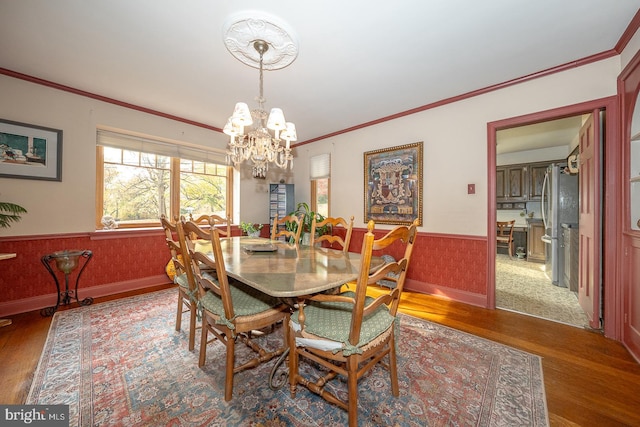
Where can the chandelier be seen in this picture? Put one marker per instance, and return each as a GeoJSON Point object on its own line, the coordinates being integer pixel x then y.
{"type": "Point", "coordinates": [255, 136]}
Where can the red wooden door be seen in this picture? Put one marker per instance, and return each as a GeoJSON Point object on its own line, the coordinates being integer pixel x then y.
{"type": "Point", "coordinates": [589, 277]}
{"type": "Point", "coordinates": [628, 88]}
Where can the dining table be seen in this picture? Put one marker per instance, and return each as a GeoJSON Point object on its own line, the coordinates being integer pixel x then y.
{"type": "Point", "coordinates": [287, 271]}
{"type": "Point", "coordinates": [284, 270]}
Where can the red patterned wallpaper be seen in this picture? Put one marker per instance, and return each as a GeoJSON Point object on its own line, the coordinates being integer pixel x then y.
{"type": "Point", "coordinates": [450, 261]}
{"type": "Point", "coordinates": [115, 259]}
{"type": "Point", "coordinates": [454, 263]}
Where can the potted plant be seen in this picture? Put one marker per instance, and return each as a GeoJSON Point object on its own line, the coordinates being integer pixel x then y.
{"type": "Point", "coordinates": [10, 212]}
{"type": "Point", "coordinates": [303, 208]}
{"type": "Point", "coordinates": [250, 229]}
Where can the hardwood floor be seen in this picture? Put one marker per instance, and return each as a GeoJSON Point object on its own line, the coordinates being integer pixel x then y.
{"type": "Point", "coordinates": [589, 380]}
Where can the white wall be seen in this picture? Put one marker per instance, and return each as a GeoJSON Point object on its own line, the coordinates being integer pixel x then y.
{"type": "Point", "coordinates": [69, 206]}
{"type": "Point", "coordinates": [455, 147]}
{"type": "Point", "coordinates": [454, 136]}
{"type": "Point", "coordinates": [630, 50]}
{"type": "Point", "coordinates": [532, 156]}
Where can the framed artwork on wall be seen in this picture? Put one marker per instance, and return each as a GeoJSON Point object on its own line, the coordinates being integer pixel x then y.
{"type": "Point", "coordinates": [393, 184]}
{"type": "Point", "coordinates": [30, 151]}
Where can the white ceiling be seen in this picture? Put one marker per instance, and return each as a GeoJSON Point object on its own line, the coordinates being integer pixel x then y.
{"type": "Point", "coordinates": [357, 62]}
{"type": "Point", "coordinates": [551, 133]}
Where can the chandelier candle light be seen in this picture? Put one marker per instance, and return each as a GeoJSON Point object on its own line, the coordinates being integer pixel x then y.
{"type": "Point", "coordinates": [258, 145]}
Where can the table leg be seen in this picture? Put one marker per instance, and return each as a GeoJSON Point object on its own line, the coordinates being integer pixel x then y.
{"type": "Point", "coordinates": [48, 311]}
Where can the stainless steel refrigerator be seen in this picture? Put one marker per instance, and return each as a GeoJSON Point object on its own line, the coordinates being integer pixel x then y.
{"type": "Point", "coordinates": [560, 205]}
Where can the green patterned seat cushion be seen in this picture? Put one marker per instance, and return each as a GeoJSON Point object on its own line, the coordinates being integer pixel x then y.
{"type": "Point", "coordinates": [332, 320]}
{"type": "Point", "coordinates": [181, 280]}
{"type": "Point", "coordinates": [246, 300]}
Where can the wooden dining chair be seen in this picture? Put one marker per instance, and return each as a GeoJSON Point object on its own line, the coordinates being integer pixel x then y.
{"type": "Point", "coordinates": [282, 228]}
{"type": "Point", "coordinates": [339, 232]}
{"type": "Point", "coordinates": [349, 333]}
{"type": "Point", "coordinates": [230, 311]}
{"type": "Point", "coordinates": [224, 224]}
{"type": "Point", "coordinates": [505, 235]}
{"type": "Point", "coordinates": [187, 295]}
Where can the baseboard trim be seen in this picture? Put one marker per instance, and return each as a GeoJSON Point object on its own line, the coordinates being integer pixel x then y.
{"type": "Point", "coordinates": [478, 300]}
{"type": "Point", "coordinates": [41, 301]}
{"type": "Point", "coordinates": [36, 303]}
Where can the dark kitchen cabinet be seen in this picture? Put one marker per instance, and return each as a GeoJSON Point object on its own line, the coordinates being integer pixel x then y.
{"type": "Point", "coordinates": [536, 179]}
{"type": "Point", "coordinates": [511, 183]}
{"type": "Point", "coordinates": [501, 184]}
{"type": "Point", "coordinates": [535, 246]}
{"type": "Point", "coordinates": [520, 183]}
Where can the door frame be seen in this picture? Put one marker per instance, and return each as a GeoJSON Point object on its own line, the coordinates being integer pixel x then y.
{"type": "Point", "coordinates": [610, 212]}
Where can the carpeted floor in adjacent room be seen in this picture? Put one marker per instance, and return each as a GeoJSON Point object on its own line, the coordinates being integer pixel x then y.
{"type": "Point", "coordinates": [523, 287]}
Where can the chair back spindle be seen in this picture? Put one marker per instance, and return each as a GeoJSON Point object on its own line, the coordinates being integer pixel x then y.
{"type": "Point", "coordinates": [281, 228]}
{"type": "Point", "coordinates": [334, 223]}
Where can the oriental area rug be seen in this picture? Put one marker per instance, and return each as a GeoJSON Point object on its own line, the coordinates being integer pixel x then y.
{"type": "Point", "coordinates": [121, 363]}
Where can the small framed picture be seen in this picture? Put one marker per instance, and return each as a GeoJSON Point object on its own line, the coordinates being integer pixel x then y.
{"type": "Point", "coordinates": [30, 151]}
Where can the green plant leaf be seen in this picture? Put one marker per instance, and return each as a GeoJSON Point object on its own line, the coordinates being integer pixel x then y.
{"type": "Point", "coordinates": [9, 213]}
{"type": "Point", "coordinates": [302, 208]}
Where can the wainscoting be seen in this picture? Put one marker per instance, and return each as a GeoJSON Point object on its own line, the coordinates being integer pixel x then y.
{"type": "Point", "coordinates": [453, 266]}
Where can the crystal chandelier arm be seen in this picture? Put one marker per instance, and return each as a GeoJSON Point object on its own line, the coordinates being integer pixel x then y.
{"type": "Point", "coordinates": [289, 134]}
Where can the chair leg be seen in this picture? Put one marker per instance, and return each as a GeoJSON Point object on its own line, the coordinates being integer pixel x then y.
{"type": "Point", "coordinates": [393, 369]}
{"type": "Point", "coordinates": [510, 249]}
{"type": "Point", "coordinates": [352, 385]}
{"type": "Point", "coordinates": [203, 342]}
{"type": "Point", "coordinates": [293, 362]}
{"type": "Point", "coordinates": [228, 381]}
{"type": "Point", "coordinates": [179, 313]}
{"type": "Point", "coordinates": [192, 325]}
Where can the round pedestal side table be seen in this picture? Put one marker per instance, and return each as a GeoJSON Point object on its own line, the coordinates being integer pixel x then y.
{"type": "Point", "coordinates": [66, 261]}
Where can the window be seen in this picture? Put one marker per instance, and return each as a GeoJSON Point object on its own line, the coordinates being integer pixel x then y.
{"type": "Point", "coordinates": [320, 172]}
{"type": "Point", "coordinates": [320, 196]}
{"type": "Point", "coordinates": [139, 180]}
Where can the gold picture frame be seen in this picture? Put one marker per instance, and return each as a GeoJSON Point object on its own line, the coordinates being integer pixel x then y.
{"type": "Point", "coordinates": [393, 184]}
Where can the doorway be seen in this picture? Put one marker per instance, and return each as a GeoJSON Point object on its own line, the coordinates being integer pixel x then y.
{"type": "Point", "coordinates": [526, 283]}
{"type": "Point", "coordinates": [604, 226]}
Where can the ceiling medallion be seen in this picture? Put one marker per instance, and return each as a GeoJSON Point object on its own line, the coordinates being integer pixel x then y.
{"type": "Point", "coordinates": [255, 137]}
{"type": "Point", "coordinates": [243, 29]}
